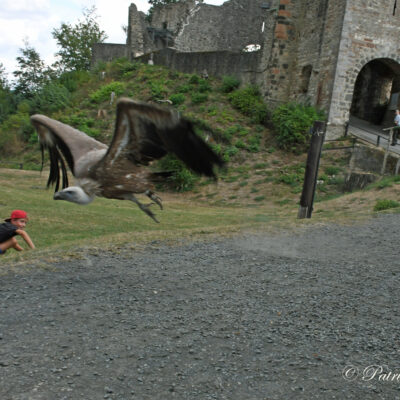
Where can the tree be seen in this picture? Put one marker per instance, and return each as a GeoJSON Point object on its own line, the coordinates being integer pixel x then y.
{"type": "Point", "coordinates": [157, 3]}
{"type": "Point", "coordinates": [3, 77]}
{"type": "Point", "coordinates": [32, 73]}
{"type": "Point", "coordinates": [76, 42]}
{"type": "Point", "coordinates": [7, 98]}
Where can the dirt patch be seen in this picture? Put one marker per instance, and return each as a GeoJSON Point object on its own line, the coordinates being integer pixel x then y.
{"type": "Point", "coordinates": [248, 317]}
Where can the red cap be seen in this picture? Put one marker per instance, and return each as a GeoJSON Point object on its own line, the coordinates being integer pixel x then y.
{"type": "Point", "coordinates": [16, 214]}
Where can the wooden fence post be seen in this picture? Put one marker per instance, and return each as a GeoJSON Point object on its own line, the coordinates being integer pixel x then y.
{"type": "Point", "coordinates": [385, 157]}
{"type": "Point", "coordinates": [311, 173]}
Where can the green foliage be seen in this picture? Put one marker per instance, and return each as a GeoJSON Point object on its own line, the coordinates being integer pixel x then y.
{"type": "Point", "coordinates": [292, 123]}
{"type": "Point", "coordinates": [249, 101]}
{"type": "Point", "coordinates": [158, 90]}
{"type": "Point", "coordinates": [7, 103]}
{"type": "Point", "coordinates": [81, 122]}
{"type": "Point", "coordinates": [16, 128]}
{"type": "Point", "coordinates": [194, 79]}
{"type": "Point", "coordinates": [123, 67]}
{"type": "Point", "coordinates": [198, 98]}
{"type": "Point", "coordinates": [177, 99]}
{"type": "Point", "coordinates": [184, 88]}
{"type": "Point", "coordinates": [229, 84]}
{"type": "Point", "coordinates": [385, 204]}
{"type": "Point", "coordinates": [31, 74]}
{"type": "Point", "coordinates": [76, 42]}
{"type": "Point", "coordinates": [74, 79]}
{"type": "Point", "coordinates": [157, 3]}
{"type": "Point", "coordinates": [230, 152]}
{"type": "Point", "coordinates": [104, 92]}
{"type": "Point", "coordinates": [240, 144]}
{"type": "Point", "coordinates": [204, 86]}
{"type": "Point", "coordinates": [332, 170]}
{"type": "Point", "coordinates": [51, 97]}
{"type": "Point", "coordinates": [181, 178]}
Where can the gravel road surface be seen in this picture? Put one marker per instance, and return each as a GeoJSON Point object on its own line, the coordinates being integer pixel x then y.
{"type": "Point", "coordinates": [307, 315]}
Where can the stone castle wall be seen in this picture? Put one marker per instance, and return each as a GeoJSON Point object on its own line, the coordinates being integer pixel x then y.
{"type": "Point", "coordinates": [370, 31]}
{"type": "Point", "coordinates": [310, 50]}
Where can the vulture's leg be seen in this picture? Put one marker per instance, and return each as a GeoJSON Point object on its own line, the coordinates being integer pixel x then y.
{"type": "Point", "coordinates": [152, 196]}
{"type": "Point", "coordinates": [144, 207]}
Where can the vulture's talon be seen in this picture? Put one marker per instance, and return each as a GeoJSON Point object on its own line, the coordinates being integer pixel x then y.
{"type": "Point", "coordinates": [156, 199]}
{"type": "Point", "coordinates": [146, 208]}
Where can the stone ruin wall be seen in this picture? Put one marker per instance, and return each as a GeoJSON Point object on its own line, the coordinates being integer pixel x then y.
{"type": "Point", "coordinates": [311, 50]}
{"type": "Point", "coordinates": [306, 43]}
{"type": "Point", "coordinates": [360, 44]}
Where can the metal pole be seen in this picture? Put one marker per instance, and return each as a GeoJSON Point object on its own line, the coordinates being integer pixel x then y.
{"type": "Point", "coordinates": [311, 173]}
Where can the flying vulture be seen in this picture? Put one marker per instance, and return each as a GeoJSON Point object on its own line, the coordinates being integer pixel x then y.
{"type": "Point", "coordinates": [143, 133]}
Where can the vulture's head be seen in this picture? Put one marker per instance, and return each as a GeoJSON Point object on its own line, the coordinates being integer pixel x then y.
{"type": "Point", "coordinates": [74, 194]}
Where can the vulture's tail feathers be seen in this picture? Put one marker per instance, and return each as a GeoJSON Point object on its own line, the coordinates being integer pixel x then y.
{"type": "Point", "coordinates": [57, 162]}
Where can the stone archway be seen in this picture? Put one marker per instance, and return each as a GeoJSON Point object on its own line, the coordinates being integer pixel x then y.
{"type": "Point", "coordinates": [375, 85]}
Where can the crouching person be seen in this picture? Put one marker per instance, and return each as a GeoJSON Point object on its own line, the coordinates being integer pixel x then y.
{"type": "Point", "coordinates": [12, 227]}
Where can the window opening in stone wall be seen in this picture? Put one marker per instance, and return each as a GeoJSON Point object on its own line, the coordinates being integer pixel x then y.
{"type": "Point", "coordinates": [394, 7]}
{"type": "Point", "coordinates": [305, 78]}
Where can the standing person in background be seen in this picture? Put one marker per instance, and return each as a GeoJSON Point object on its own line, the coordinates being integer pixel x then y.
{"type": "Point", "coordinates": [396, 130]}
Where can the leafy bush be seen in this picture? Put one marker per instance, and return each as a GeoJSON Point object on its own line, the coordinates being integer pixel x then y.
{"type": "Point", "coordinates": [385, 204]}
{"type": "Point", "coordinates": [229, 84]}
{"type": "Point", "coordinates": [230, 152]}
{"type": "Point", "coordinates": [82, 122]}
{"type": "Point", "coordinates": [181, 178]}
{"type": "Point", "coordinates": [249, 101]}
{"type": "Point", "coordinates": [184, 88]}
{"type": "Point", "coordinates": [198, 98]}
{"type": "Point", "coordinates": [158, 90]}
{"type": "Point", "coordinates": [73, 79]}
{"type": "Point", "coordinates": [16, 129]}
{"type": "Point", "coordinates": [204, 86]}
{"type": "Point", "coordinates": [104, 92]}
{"type": "Point", "coordinates": [194, 79]}
{"type": "Point", "coordinates": [240, 144]}
{"type": "Point", "coordinates": [332, 170]}
{"type": "Point", "coordinates": [177, 99]}
{"type": "Point", "coordinates": [50, 98]}
{"type": "Point", "coordinates": [292, 123]}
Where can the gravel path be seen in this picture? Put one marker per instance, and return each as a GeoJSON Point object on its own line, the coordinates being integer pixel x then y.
{"type": "Point", "coordinates": [307, 315]}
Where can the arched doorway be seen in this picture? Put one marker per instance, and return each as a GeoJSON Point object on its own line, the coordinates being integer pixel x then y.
{"type": "Point", "coordinates": [375, 92]}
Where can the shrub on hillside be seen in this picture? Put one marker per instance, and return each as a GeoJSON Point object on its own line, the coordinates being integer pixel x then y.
{"type": "Point", "coordinates": [177, 99]}
{"type": "Point", "coordinates": [198, 98]}
{"type": "Point", "coordinates": [385, 204]}
{"type": "Point", "coordinates": [104, 92]}
{"type": "Point", "coordinates": [292, 123]}
{"type": "Point", "coordinates": [181, 178]}
{"type": "Point", "coordinates": [74, 79]}
{"type": "Point", "coordinates": [249, 101]}
{"type": "Point", "coordinates": [229, 84]}
{"type": "Point", "coordinates": [50, 98]}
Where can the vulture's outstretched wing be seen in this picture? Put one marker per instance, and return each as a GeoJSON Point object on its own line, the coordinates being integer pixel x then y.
{"type": "Point", "coordinates": [146, 132]}
{"type": "Point", "coordinates": [60, 138]}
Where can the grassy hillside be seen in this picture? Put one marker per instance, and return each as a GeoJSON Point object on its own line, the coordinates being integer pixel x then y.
{"type": "Point", "coordinates": [235, 125]}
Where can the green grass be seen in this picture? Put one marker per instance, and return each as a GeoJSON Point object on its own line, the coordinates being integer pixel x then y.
{"type": "Point", "coordinates": [385, 204]}
{"type": "Point", "coordinates": [59, 225]}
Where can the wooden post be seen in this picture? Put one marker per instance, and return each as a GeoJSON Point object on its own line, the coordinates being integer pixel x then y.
{"type": "Point", "coordinates": [387, 151]}
{"type": "Point", "coordinates": [311, 174]}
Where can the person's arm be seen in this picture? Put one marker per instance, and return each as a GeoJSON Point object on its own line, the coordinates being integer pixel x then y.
{"type": "Point", "coordinates": [26, 237]}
